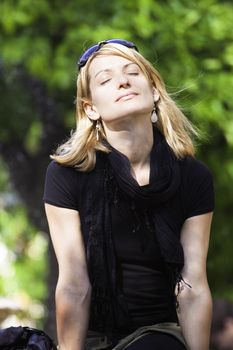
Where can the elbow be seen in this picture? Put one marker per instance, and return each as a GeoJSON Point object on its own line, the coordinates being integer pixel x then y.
{"type": "Point", "coordinates": [195, 292]}
{"type": "Point", "coordinates": [72, 309]}
{"type": "Point", "coordinates": [70, 297]}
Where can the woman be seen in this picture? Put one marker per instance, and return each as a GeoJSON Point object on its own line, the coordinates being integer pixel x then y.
{"type": "Point", "coordinates": [129, 212]}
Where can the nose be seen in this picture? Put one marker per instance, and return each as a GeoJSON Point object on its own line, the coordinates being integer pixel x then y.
{"type": "Point", "coordinates": [123, 80]}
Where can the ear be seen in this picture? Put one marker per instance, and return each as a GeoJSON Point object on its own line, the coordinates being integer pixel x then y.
{"type": "Point", "coordinates": [91, 110]}
{"type": "Point", "coordinates": [156, 95]}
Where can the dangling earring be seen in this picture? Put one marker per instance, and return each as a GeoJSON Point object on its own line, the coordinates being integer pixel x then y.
{"type": "Point", "coordinates": [154, 116]}
{"type": "Point", "coordinates": [97, 127]}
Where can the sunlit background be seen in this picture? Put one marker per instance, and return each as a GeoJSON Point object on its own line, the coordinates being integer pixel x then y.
{"type": "Point", "coordinates": [189, 42]}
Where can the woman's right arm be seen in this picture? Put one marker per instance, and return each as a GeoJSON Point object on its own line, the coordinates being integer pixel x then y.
{"type": "Point", "coordinates": [73, 291]}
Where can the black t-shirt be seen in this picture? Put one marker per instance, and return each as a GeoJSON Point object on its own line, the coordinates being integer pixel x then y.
{"type": "Point", "coordinates": [195, 195]}
{"type": "Point", "coordinates": [141, 269]}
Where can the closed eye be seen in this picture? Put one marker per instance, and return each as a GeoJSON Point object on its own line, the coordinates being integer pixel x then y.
{"type": "Point", "coordinates": [105, 81]}
{"type": "Point", "coordinates": [133, 73]}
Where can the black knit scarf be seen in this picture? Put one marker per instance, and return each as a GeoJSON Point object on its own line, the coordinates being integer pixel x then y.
{"type": "Point", "coordinates": [164, 182]}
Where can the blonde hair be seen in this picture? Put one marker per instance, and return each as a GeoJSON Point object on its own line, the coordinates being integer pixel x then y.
{"type": "Point", "coordinates": [80, 149]}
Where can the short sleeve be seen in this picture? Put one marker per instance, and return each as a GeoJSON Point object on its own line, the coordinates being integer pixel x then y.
{"type": "Point", "coordinates": [199, 189]}
{"type": "Point", "coordinates": [61, 186]}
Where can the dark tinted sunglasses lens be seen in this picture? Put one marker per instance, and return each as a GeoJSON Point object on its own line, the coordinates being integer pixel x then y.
{"type": "Point", "coordinates": [126, 43]}
{"type": "Point", "coordinates": [83, 59]}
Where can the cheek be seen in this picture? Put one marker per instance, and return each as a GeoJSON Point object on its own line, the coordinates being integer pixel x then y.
{"type": "Point", "coordinates": [148, 96]}
{"type": "Point", "coordinates": [100, 99]}
{"type": "Point", "coordinates": [146, 88]}
{"type": "Point", "coordinates": [96, 89]}
{"type": "Point", "coordinates": [102, 96]}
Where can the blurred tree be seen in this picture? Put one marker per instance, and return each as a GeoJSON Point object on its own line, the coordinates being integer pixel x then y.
{"type": "Point", "coordinates": [25, 147]}
{"type": "Point", "coordinates": [190, 44]}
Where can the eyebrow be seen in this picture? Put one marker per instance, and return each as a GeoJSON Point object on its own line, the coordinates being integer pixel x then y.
{"type": "Point", "coordinates": [109, 70]}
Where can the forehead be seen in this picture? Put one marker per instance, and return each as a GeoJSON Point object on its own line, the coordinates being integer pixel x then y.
{"type": "Point", "coordinates": [109, 62]}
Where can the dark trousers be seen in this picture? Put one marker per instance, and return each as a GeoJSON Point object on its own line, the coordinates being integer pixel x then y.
{"type": "Point", "coordinates": [156, 341]}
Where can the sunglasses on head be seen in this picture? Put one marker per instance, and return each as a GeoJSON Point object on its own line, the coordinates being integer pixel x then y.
{"type": "Point", "coordinates": [87, 54]}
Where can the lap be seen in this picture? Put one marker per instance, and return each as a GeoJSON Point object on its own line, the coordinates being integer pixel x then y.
{"type": "Point", "coordinates": [156, 341]}
{"type": "Point", "coordinates": [163, 336]}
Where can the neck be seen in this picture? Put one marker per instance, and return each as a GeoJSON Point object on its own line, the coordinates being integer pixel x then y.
{"type": "Point", "coordinates": [134, 140]}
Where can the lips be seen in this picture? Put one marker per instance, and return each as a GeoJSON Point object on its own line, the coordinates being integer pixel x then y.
{"type": "Point", "coordinates": [126, 96]}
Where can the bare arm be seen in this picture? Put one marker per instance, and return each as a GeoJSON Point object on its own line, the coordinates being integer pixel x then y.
{"type": "Point", "coordinates": [73, 289]}
{"type": "Point", "coordinates": [195, 304]}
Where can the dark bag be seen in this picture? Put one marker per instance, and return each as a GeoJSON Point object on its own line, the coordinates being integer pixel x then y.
{"type": "Point", "coordinates": [25, 338]}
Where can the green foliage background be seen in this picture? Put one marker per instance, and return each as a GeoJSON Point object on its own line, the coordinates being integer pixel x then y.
{"type": "Point", "coordinates": [190, 43]}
